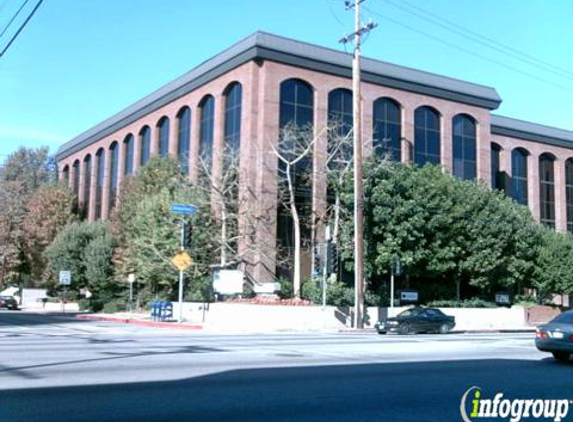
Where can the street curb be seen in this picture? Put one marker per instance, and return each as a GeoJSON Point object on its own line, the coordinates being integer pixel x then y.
{"type": "Point", "coordinates": [473, 331]}
{"type": "Point", "coordinates": [156, 324]}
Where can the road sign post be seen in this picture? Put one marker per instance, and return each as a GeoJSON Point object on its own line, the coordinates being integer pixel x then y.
{"type": "Point", "coordinates": [182, 260]}
{"type": "Point", "coordinates": [65, 280]}
{"type": "Point", "coordinates": [131, 279]}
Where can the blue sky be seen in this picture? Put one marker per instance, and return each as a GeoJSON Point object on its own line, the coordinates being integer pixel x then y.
{"type": "Point", "coordinates": [80, 61]}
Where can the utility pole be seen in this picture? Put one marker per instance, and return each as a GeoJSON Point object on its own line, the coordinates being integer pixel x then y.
{"type": "Point", "coordinates": [357, 154]}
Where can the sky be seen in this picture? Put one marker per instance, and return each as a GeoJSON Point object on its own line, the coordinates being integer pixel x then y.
{"type": "Point", "coordinates": [77, 62]}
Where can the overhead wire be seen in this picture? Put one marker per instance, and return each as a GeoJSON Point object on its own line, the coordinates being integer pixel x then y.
{"type": "Point", "coordinates": [480, 38]}
{"type": "Point", "coordinates": [21, 28]}
{"type": "Point", "coordinates": [467, 51]}
{"type": "Point", "coordinates": [13, 18]}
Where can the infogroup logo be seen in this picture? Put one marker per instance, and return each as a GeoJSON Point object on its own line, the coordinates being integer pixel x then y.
{"type": "Point", "coordinates": [474, 406]}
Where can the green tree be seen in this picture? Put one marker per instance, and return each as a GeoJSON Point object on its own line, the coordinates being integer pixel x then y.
{"type": "Point", "coordinates": [85, 249]}
{"type": "Point", "coordinates": [32, 167]}
{"type": "Point", "coordinates": [148, 232]}
{"type": "Point", "coordinates": [553, 263]}
{"type": "Point", "coordinates": [444, 230]}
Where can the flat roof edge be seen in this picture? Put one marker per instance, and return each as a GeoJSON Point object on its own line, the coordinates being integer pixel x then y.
{"type": "Point", "coordinates": [275, 48]}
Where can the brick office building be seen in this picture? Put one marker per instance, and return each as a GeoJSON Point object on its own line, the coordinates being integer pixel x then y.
{"type": "Point", "coordinates": [243, 96]}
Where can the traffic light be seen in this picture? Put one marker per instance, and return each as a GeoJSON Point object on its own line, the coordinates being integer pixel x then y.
{"type": "Point", "coordinates": [317, 261]}
{"type": "Point", "coordinates": [187, 234]}
{"type": "Point", "coordinates": [331, 258]}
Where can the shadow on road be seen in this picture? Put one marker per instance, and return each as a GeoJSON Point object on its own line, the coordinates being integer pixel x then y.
{"type": "Point", "coordinates": [417, 391]}
{"type": "Point", "coordinates": [30, 319]}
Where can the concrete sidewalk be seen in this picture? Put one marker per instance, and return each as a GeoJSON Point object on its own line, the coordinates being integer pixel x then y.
{"type": "Point", "coordinates": [143, 319]}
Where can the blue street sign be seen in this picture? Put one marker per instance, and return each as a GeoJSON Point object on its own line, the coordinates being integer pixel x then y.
{"type": "Point", "coordinates": [187, 209]}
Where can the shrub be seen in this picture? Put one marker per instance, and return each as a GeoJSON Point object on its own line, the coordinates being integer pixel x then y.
{"type": "Point", "coordinates": [113, 306]}
{"type": "Point", "coordinates": [286, 291]}
{"type": "Point", "coordinates": [467, 303]}
{"type": "Point", "coordinates": [525, 300]}
{"type": "Point", "coordinates": [337, 293]}
{"type": "Point", "coordinates": [199, 290]}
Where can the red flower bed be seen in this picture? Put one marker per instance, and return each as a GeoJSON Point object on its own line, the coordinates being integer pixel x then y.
{"type": "Point", "coordinates": [273, 301]}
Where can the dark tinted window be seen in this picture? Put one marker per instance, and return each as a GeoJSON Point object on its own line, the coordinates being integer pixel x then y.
{"type": "Point", "coordinates": [495, 168]}
{"type": "Point", "coordinates": [76, 177]}
{"type": "Point", "coordinates": [129, 146]}
{"type": "Point", "coordinates": [100, 173]}
{"type": "Point", "coordinates": [519, 175]}
{"type": "Point", "coordinates": [426, 136]}
{"type": "Point", "coordinates": [296, 111]}
{"type": "Point", "coordinates": [569, 193]}
{"type": "Point", "coordinates": [547, 190]}
{"type": "Point", "coordinates": [387, 128]}
{"type": "Point", "coordinates": [163, 127]}
{"type": "Point", "coordinates": [411, 312]}
{"type": "Point", "coordinates": [66, 174]}
{"type": "Point", "coordinates": [184, 139]}
{"type": "Point", "coordinates": [87, 183]}
{"type": "Point", "coordinates": [233, 98]}
{"type": "Point", "coordinates": [145, 135]}
{"type": "Point", "coordinates": [207, 120]}
{"type": "Point", "coordinates": [114, 170]}
{"type": "Point", "coordinates": [464, 147]}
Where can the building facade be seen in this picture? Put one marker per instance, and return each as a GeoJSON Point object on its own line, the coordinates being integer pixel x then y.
{"type": "Point", "coordinates": [241, 98]}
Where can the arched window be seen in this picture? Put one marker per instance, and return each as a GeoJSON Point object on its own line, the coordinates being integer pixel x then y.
{"type": "Point", "coordinates": [387, 128]}
{"type": "Point", "coordinates": [569, 193]}
{"type": "Point", "coordinates": [296, 111]}
{"type": "Point", "coordinates": [519, 175]}
{"type": "Point", "coordinates": [464, 147]}
{"type": "Point", "coordinates": [129, 146]}
{"type": "Point", "coordinates": [340, 120]}
{"type": "Point", "coordinates": [87, 184]}
{"type": "Point", "coordinates": [100, 174]}
{"type": "Point", "coordinates": [76, 177]}
{"type": "Point", "coordinates": [145, 137]}
{"type": "Point", "coordinates": [114, 170]}
{"type": "Point", "coordinates": [296, 103]}
{"type": "Point", "coordinates": [426, 136]}
{"type": "Point", "coordinates": [496, 177]}
{"type": "Point", "coordinates": [163, 136]}
{"type": "Point", "coordinates": [66, 175]}
{"type": "Point", "coordinates": [233, 97]}
{"type": "Point", "coordinates": [207, 122]}
{"type": "Point", "coordinates": [340, 111]}
{"type": "Point", "coordinates": [547, 189]}
{"type": "Point", "coordinates": [184, 139]}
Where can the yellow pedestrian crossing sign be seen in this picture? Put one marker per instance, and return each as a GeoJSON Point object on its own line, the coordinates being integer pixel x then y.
{"type": "Point", "coordinates": [182, 261]}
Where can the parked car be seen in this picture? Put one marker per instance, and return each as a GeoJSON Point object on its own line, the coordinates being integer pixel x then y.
{"type": "Point", "coordinates": [8, 302]}
{"type": "Point", "coordinates": [417, 320]}
{"type": "Point", "coordinates": [556, 336]}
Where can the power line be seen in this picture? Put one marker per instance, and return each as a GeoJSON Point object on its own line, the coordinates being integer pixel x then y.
{"type": "Point", "coordinates": [483, 40]}
{"type": "Point", "coordinates": [21, 28]}
{"type": "Point", "coordinates": [457, 47]}
{"type": "Point", "coordinates": [13, 17]}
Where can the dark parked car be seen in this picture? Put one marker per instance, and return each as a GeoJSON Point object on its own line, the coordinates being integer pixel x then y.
{"type": "Point", "coordinates": [556, 336]}
{"type": "Point", "coordinates": [417, 320]}
{"type": "Point", "coordinates": [8, 302]}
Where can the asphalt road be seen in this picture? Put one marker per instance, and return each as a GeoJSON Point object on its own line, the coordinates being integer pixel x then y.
{"type": "Point", "coordinates": [62, 369]}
